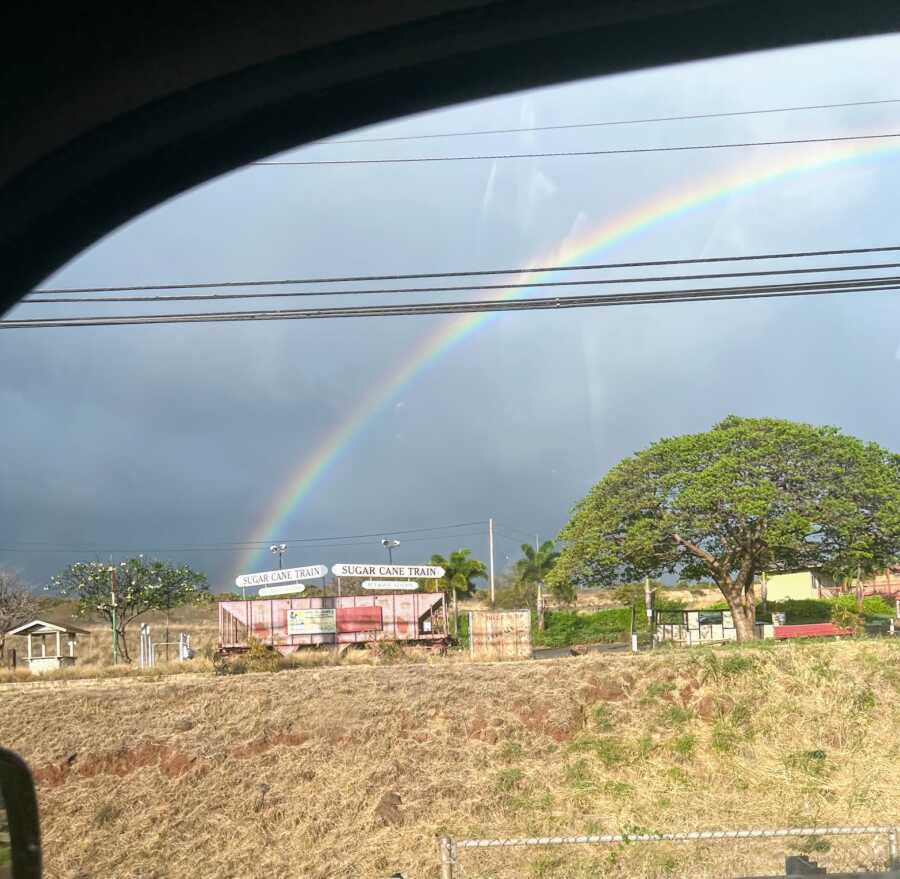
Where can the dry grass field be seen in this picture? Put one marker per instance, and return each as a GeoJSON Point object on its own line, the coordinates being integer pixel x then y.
{"type": "Point", "coordinates": [356, 771]}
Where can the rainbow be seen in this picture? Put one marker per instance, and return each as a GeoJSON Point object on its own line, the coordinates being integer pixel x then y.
{"type": "Point", "coordinates": [314, 467]}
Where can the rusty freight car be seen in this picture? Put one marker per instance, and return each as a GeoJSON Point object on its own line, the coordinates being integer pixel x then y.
{"type": "Point", "coordinates": [289, 624]}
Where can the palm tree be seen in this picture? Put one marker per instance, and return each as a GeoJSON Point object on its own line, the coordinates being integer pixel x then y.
{"type": "Point", "coordinates": [534, 566]}
{"type": "Point", "coordinates": [537, 563]}
{"type": "Point", "coordinates": [460, 571]}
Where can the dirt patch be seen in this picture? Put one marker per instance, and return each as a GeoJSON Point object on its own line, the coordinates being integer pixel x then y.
{"type": "Point", "coordinates": [171, 763]}
{"type": "Point", "coordinates": [387, 811]}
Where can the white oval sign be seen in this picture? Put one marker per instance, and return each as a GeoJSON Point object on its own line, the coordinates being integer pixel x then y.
{"type": "Point", "coordinates": [288, 589]}
{"type": "Point", "coordinates": [420, 572]}
{"type": "Point", "coordinates": [273, 578]}
{"type": "Point", "coordinates": [390, 584]}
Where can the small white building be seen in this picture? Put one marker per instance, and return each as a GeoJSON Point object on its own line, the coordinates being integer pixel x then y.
{"type": "Point", "coordinates": [38, 658]}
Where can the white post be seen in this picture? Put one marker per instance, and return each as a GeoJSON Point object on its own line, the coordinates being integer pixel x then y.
{"type": "Point", "coordinates": [58, 648]}
{"type": "Point", "coordinates": [29, 646]}
{"type": "Point", "coordinates": [72, 647]}
{"type": "Point", "coordinates": [648, 600]}
{"type": "Point", "coordinates": [446, 859]}
{"type": "Point", "coordinates": [491, 547]}
{"type": "Point", "coordinates": [43, 646]}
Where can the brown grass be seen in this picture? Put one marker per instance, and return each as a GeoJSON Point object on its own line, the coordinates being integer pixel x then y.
{"type": "Point", "coordinates": [355, 771]}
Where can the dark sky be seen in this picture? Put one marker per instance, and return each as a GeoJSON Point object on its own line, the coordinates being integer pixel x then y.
{"type": "Point", "coordinates": [161, 437]}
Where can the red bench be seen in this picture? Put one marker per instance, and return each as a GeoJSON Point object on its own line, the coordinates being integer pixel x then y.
{"type": "Point", "coordinates": [811, 630]}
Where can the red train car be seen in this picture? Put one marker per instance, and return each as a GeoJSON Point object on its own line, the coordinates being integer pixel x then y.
{"type": "Point", "coordinates": [287, 624]}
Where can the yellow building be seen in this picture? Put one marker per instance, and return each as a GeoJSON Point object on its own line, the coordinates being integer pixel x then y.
{"type": "Point", "coordinates": [798, 584]}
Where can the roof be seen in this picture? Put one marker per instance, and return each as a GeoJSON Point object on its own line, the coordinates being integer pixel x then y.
{"type": "Point", "coordinates": [42, 627]}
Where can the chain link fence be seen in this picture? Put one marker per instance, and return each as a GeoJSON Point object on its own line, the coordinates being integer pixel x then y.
{"type": "Point", "coordinates": [879, 853]}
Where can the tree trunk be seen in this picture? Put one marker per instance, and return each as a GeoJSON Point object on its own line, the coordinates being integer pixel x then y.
{"type": "Point", "coordinates": [122, 644]}
{"type": "Point", "coordinates": [743, 610]}
{"type": "Point", "coordinates": [744, 619]}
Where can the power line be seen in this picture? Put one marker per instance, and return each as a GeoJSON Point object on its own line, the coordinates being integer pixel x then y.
{"type": "Point", "coordinates": [249, 544]}
{"type": "Point", "coordinates": [581, 153]}
{"type": "Point", "coordinates": [846, 251]}
{"type": "Point", "coordinates": [472, 287]}
{"type": "Point", "coordinates": [528, 534]}
{"type": "Point", "coordinates": [472, 306]}
{"type": "Point", "coordinates": [607, 123]}
{"type": "Point", "coordinates": [516, 540]}
{"type": "Point", "coordinates": [197, 549]}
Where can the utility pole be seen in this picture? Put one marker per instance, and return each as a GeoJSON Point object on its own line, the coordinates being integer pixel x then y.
{"type": "Point", "coordinates": [491, 548]}
{"type": "Point", "coordinates": [168, 610]}
{"type": "Point", "coordinates": [540, 588]}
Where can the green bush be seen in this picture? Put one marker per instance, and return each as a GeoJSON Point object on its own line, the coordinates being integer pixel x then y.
{"type": "Point", "coordinates": [514, 596]}
{"type": "Point", "coordinates": [800, 611]}
{"type": "Point", "coordinates": [632, 594]}
{"type": "Point", "coordinates": [564, 628]}
{"type": "Point", "coordinates": [462, 634]}
{"type": "Point", "coordinates": [845, 613]}
{"type": "Point", "coordinates": [876, 606]}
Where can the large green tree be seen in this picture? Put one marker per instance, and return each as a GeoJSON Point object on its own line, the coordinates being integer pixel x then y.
{"type": "Point", "coordinates": [750, 495]}
{"type": "Point", "coordinates": [139, 585]}
{"type": "Point", "coordinates": [460, 571]}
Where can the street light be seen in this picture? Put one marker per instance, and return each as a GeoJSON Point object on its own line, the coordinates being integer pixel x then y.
{"type": "Point", "coordinates": [390, 546]}
{"type": "Point", "coordinates": [278, 549]}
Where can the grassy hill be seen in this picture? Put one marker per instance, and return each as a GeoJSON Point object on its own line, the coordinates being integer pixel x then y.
{"type": "Point", "coordinates": [355, 771]}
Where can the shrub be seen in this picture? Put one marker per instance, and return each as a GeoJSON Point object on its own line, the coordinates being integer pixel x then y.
{"type": "Point", "coordinates": [845, 615]}
{"type": "Point", "coordinates": [632, 594]}
{"type": "Point", "coordinates": [514, 595]}
{"type": "Point", "coordinates": [563, 628]}
{"type": "Point", "coordinates": [259, 657]}
{"type": "Point", "coordinates": [876, 606]}
{"type": "Point", "coordinates": [799, 611]}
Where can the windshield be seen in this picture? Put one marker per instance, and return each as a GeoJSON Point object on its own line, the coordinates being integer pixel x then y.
{"type": "Point", "coordinates": [521, 470]}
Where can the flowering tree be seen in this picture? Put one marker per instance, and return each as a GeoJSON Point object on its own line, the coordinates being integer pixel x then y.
{"type": "Point", "coordinates": [121, 593]}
